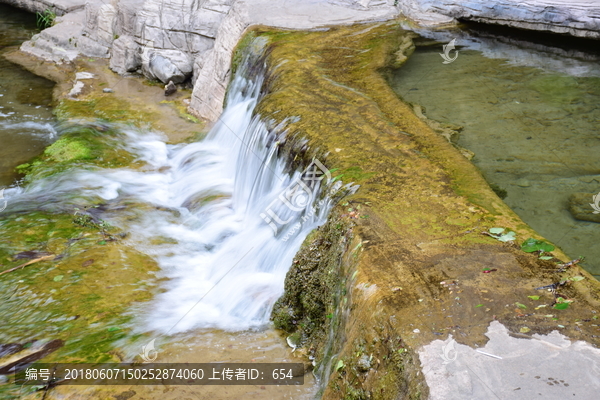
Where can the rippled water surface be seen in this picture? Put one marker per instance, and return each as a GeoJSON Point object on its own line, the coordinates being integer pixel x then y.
{"type": "Point", "coordinates": [25, 113]}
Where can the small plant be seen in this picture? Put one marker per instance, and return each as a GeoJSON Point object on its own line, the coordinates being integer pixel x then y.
{"type": "Point", "coordinates": [45, 19]}
{"type": "Point", "coordinates": [531, 245]}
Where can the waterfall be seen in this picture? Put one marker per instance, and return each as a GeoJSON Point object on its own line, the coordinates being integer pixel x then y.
{"type": "Point", "coordinates": [223, 217]}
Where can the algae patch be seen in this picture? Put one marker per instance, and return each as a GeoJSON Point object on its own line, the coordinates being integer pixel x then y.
{"type": "Point", "coordinates": [80, 146]}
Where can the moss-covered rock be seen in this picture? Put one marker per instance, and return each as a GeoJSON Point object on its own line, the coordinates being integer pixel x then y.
{"type": "Point", "coordinates": [423, 218]}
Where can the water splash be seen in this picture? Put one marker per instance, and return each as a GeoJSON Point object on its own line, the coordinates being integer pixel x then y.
{"type": "Point", "coordinates": [196, 208]}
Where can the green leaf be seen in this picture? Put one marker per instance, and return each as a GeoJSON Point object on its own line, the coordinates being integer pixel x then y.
{"type": "Point", "coordinates": [561, 306]}
{"type": "Point", "coordinates": [531, 245]}
{"type": "Point", "coordinates": [479, 305]}
{"type": "Point", "coordinates": [534, 297]}
{"type": "Point", "coordinates": [329, 316]}
{"type": "Point", "coordinates": [114, 328]}
{"type": "Point", "coordinates": [496, 231]}
{"type": "Point", "coordinates": [524, 329]}
{"type": "Point", "coordinates": [523, 306]}
{"type": "Point", "coordinates": [102, 242]}
{"type": "Point", "coordinates": [576, 278]}
{"type": "Point", "coordinates": [340, 365]}
{"type": "Point", "coordinates": [508, 237]}
{"type": "Point", "coordinates": [58, 278]}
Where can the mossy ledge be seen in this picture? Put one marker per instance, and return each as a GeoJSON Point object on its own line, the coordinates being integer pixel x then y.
{"type": "Point", "coordinates": [364, 293]}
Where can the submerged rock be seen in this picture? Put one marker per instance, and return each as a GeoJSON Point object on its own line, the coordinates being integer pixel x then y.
{"type": "Point", "coordinates": [580, 206]}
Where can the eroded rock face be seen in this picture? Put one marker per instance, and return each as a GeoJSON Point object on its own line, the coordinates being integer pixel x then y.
{"type": "Point", "coordinates": [576, 17]}
{"type": "Point", "coordinates": [206, 31]}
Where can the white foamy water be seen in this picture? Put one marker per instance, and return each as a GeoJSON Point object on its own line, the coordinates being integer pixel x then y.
{"type": "Point", "coordinates": [202, 211]}
{"type": "Point", "coordinates": [44, 130]}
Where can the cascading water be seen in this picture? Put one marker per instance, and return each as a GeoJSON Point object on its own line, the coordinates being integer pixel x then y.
{"type": "Point", "coordinates": [222, 216]}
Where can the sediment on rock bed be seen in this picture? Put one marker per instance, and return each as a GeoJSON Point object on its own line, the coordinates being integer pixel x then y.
{"type": "Point", "coordinates": [420, 218]}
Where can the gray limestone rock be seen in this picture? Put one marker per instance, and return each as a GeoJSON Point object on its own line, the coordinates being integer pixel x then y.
{"type": "Point", "coordinates": [167, 65]}
{"type": "Point", "coordinates": [60, 7]}
{"type": "Point", "coordinates": [575, 17]}
{"type": "Point", "coordinates": [125, 55]}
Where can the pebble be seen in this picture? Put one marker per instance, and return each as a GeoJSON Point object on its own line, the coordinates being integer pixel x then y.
{"type": "Point", "coordinates": [84, 75]}
{"type": "Point", "coordinates": [364, 363]}
{"type": "Point", "coordinates": [107, 90]}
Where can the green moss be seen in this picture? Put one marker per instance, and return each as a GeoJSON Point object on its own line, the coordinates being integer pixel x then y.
{"type": "Point", "coordinates": [181, 110]}
{"type": "Point", "coordinates": [68, 150]}
{"type": "Point", "coordinates": [96, 284]}
{"type": "Point", "coordinates": [502, 193]}
{"type": "Point", "coordinates": [238, 53]}
{"type": "Point", "coordinates": [313, 284]}
{"type": "Point", "coordinates": [105, 107]}
{"type": "Point", "coordinates": [80, 147]}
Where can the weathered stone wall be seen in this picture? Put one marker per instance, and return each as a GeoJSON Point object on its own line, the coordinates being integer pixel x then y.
{"type": "Point", "coordinates": [575, 17]}
{"type": "Point", "coordinates": [59, 7]}
{"type": "Point", "coordinates": [178, 39]}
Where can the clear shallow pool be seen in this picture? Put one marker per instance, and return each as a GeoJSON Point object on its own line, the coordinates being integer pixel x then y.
{"type": "Point", "coordinates": [530, 114]}
{"type": "Point", "coordinates": [26, 123]}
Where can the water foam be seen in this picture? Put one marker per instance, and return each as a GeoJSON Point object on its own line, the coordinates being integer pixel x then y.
{"type": "Point", "coordinates": [199, 210]}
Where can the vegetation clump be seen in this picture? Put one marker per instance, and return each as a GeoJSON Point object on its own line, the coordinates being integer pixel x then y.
{"type": "Point", "coordinates": [45, 19]}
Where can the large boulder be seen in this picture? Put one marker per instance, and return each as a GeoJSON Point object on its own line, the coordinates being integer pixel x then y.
{"type": "Point", "coordinates": [167, 65]}
{"type": "Point", "coordinates": [125, 55]}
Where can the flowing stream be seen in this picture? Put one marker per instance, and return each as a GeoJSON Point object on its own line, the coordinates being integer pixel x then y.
{"type": "Point", "coordinates": [201, 210]}
{"type": "Point", "coordinates": [26, 123]}
{"type": "Point", "coordinates": [223, 217]}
